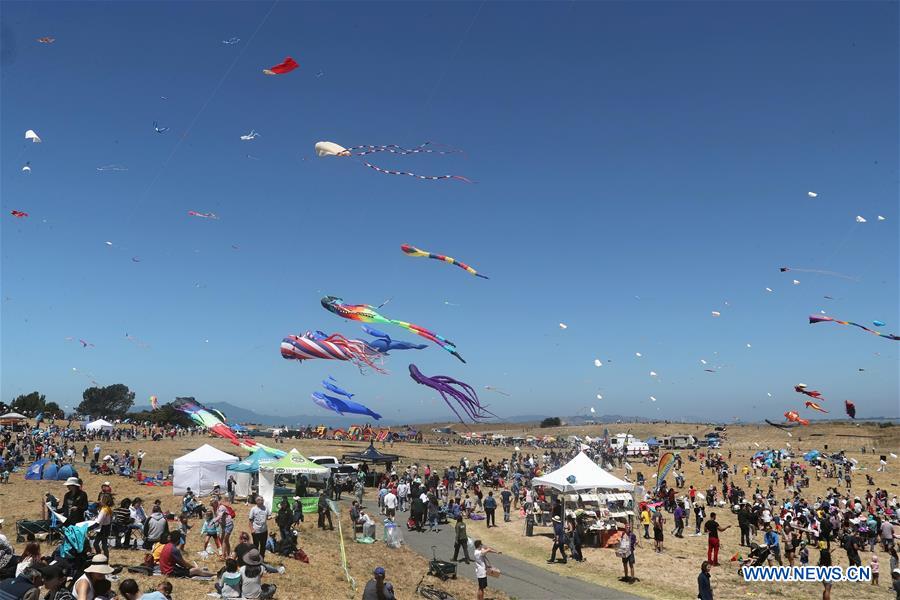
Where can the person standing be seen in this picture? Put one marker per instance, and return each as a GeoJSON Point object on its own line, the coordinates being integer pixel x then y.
{"type": "Point", "coordinates": [224, 519]}
{"type": "Point", "coordinates": [490, 509]}
{"type": "Point", "coordinates": [704, 583]}
{"type": "Point", "coordinates": [482, 566]}
{"type": "Point", "coordinates": [461, 540]}
{"type": "Point", "coordinates": [259, 527]}
{"type": "Point", "coordinates": [744, 523]}
{"type": "Point", "coordinates": [559, 540]}
{"type": "Point", "coordinates": [403, 495]}
{"type": "Point", "coordinates": [74, 502]}
{"type": "Point", "coordinates": [140, 458]}
{"type": "Point", "coordinates": [627, 544]}
{"type": "Point", "coordinates": [645, 521]}
{"type": "Point", "coordinates": [231, 488]}
{"type": "Point", "coordinates": [324, 511]}
{"type": "Point", "coordinates": [390, 504]}
{"type": "Point", "coordinates": [658, 523]}
{"type": "Point", "coordinates": [506, 501]}
{"type": "Point", "coordinates": [284, 519]}
{"type": "Point", "coordinates": [300, 485]}
{"type": "Point", "coordinates": [679, 520]}
{"type": "Point", "coordinates": [713, 528]}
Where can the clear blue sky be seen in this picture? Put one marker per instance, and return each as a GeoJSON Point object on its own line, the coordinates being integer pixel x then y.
{"type": "Point", "coordinates": [638, 165]}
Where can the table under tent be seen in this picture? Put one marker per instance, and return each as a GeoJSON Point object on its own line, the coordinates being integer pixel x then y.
{"type": "Point", "coordinates": [371, 456]}
{"type": "Point", "coordinates": [293, 463]}
{"type": "Point", "coordinates": [246, 472]}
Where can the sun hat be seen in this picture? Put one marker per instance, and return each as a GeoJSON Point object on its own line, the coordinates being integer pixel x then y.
{"type": "Point", "coordinates": [72, 481]}
{"type": "Point", "coordinates": [556, 519]}
{"type": "Point", "coordinates": [99, 564]}
{"type": "Point", "coordinates": [378, 571]}
{"type": "Point", "coordinates": [252, 558]}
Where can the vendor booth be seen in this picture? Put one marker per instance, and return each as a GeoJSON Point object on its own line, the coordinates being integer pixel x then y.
{"type": "Point", "coordinates": [293, 463]}
{"type": "Point", "coordinates": [245, 471]}
{"type": "Point", "coordinates": [599, 499]}
{"type": "Point", "coordinates": [201, 470]}
{"type": "Point", "coordinates": [99, 425]}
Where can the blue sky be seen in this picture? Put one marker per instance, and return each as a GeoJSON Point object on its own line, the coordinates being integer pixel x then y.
{"type": "Point", "coordinates": [637, 166]}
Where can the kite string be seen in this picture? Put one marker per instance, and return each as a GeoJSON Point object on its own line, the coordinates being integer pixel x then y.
{"type": "Point", "coordinates": [143, 196]}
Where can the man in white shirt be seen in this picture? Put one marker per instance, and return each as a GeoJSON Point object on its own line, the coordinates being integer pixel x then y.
{"type": "Point", "coordinates": [259, 515]}
{"type": "Point", "coordinates": [403, 495]}
{"type": "Point", "coordinates": [482, 566]}
{"type": "Point", "coordinates": [390, 504]}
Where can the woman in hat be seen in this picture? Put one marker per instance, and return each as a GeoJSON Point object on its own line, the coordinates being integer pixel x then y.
{"type": "Point", "coordinates": [75, 501]}
{"type": "Point", "coordinates": [252, 587]}
{"type": "Point", "coordinates": [96, 571]}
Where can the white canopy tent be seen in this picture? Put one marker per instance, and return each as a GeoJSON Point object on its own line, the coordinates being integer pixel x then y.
{"type": "Point", "coordinates": [99, 425]}
{"type": "Point", "coordinates": [201, 470]}
{"type": "Point", "coordinates": [581, 473]}
{"type": "Point", "coordinates": [13, 416]}
{"type": "Point", "coordinates": [293, 463]}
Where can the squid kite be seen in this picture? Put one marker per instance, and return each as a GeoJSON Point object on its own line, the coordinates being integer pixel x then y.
{"type": "Point", "coordinates": [850, 408]}
{"type": "Point", "coordinates": [800, 388]}
{"type": "Point", "coordinates": [288, 65]}
{"type": "Point", "coordinates": [366, 314]}
{"type": "Point", "coordinates": [814, 406]}
{"type": "Point", "coordinates": [383, 342]}
{"type": "Point", "coordinates": [793, 416]}
{"type": "Point", "coordinates": [820, 319]}
{"type": "Point", "coordinates": [333, 347]}
{"type": "Point", "coordinates": [202, 215]}
{"type": "Point", "coordinates": [413, 251]}
{"type": "Point", "coordinates": [18, 214]}
{"type": "Point", "coordinates": [463, 393]}
{"type": "Point", "coordinates": [332, 149]}
{"type": "Point", "coordinates": [342, 406]}
{"type": "Point", "coordinates": [819, 271]}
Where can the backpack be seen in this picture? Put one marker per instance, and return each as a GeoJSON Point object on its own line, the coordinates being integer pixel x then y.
{"type": "Point", "coordinates": [624, 549]}
{"type": "Point", "coordinates": [229, 510]}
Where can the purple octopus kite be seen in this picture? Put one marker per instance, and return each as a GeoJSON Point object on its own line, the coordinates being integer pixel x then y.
{"type": "Point", "coordinates": [465, 395]}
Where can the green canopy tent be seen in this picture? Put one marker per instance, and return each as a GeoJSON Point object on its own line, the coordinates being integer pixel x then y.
{"type": "Point", "coordinates": [292, 463]}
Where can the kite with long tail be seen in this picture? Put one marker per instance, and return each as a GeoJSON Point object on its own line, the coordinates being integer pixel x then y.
{"type": "Point", "coordinates": [821, 319]}
{"type": "Point", "coordinates": [333, 347]}
{"type": "Point", "coordinates": [210, 418]}
{"type": "Point", "coordinates": [814, 406]}
{"type": "Point", "coordinates": [413, 251]}
{"type": "Point", "coordinates": [818, 271]}
{"type": "Point", "coordinates": [784, 426]}
{"type": "Point", "coordinates": [332, 149]}
{"type": "Point", "coordinates": [366, 313]}
{"type": "Point", "coordinates": [341, 406]}
{"type": "Point", "coordinates": [800, 388]}
{"type": "Point", "coordinates": [448, 388]}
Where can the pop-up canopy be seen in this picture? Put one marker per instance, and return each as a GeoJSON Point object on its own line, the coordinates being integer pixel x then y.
{"type": "Point", "coordinates": [581, 473]}
{"type": "Point", "coordinates": [293, 463]}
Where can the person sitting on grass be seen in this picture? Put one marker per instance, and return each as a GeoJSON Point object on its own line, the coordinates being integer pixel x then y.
{"type": "Point", "coordinates": [252, 572]}
{"type": "Point", "coordinates": [229, 585]}
{"type": "Point", "coordinates": [172, 563]}
{"type": "Point", "coordinates": [377, 588]}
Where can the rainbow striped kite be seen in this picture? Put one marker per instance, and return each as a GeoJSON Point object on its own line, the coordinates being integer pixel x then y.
{"type": "Point", "coordinates": [332, 347]}
{"type": "Point", "coordinates": [822, 319]}
{"type": "Point", "coordinates": [413, 251]}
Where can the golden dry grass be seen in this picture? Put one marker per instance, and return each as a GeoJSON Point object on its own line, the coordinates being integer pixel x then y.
{"type": "Point", "coordinates": [668, 575]}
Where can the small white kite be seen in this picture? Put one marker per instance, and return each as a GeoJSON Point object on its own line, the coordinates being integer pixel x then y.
{"type": "Point", "coordinates": [250, 136]}
{"type": "Point", "coordinates": [860, 219]}
{"type": "Point", "coordinates": [31, 135]}
{"type": "Point", "coordinates": [811, 194]}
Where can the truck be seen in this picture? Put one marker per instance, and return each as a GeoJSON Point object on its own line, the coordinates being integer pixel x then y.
{"type": "Point", "coordinates": [631, 445]}
{"type": "Point", "coordinates": [344, 473]}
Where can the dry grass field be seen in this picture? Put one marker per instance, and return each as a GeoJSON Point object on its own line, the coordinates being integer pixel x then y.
{"type": "Point", "coordinates": [671, 574]}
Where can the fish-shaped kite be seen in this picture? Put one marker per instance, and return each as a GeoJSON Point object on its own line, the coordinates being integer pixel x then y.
{"type": "Point", "coordinates": [814, 406]}
{"type": "Point", "coordinates": [413, 251]}
{"type": "Point", "coordinates": [800, 388]}
{"type": "Point", "coordinates": [286, 66]}
{"type": "Point", "coordinates": [366, 313]}
{"type": "Point", "coordinates": [334, 388]}
{"type": "Point", "coordinates": [341, 406]}
{"type": "Point", "coordinates": [821, 319]}
{"type": "Point", "coordinates": [334, 347]}
{"type": "Point", "coordinates": [384, 343]}
{"type": "Point", "coordinates": [792, 415]}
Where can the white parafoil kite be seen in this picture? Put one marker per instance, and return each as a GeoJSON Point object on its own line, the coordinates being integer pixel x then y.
{"type": "Point", "coordinates": [31, 135]}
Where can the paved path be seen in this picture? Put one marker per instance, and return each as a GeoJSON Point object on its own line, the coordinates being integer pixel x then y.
{"type": "Point", "coordinates": [520, 579]}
